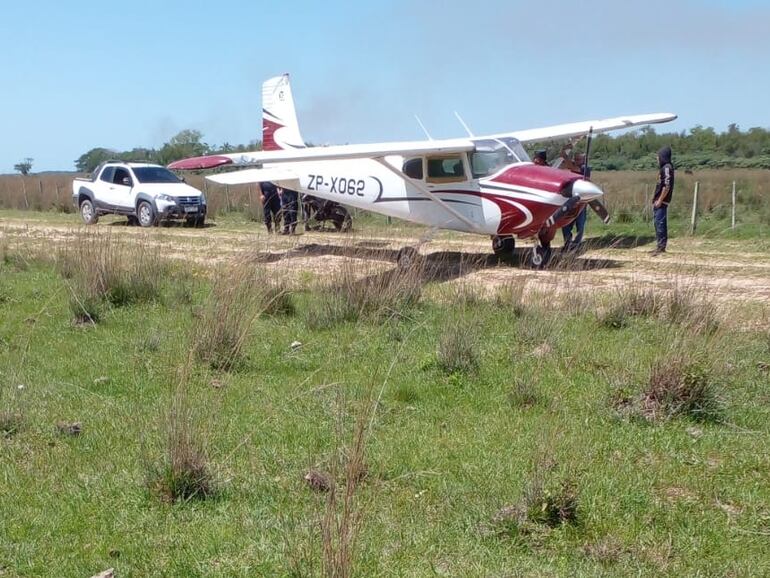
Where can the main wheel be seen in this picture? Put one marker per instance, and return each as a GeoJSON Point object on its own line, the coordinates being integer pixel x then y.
{"type": "Point", "coordinates": [503, 245]}
{"type": "Point", "coordinates": [539, 257]}
{"type": "Point", "coordinates": [88, 212]}
{"type": "Point", "coordinates": [146, 214]}
{"type": "Point", "coordinates": [407, 257]}
{"type": "Point", "coordinates": [197, 222]}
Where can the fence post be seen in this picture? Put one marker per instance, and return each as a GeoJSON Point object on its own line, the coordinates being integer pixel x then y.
{"type": "Point", "coordinates": [58, 204]}
{"type": "Point", "coordinates": [694, 220]}
{"type": "Point", "coordinates": [227, 197]}
{"type": "Point", "coordinates": [733, 219]}
{"type": "Point", "coordinates": [24, 192]}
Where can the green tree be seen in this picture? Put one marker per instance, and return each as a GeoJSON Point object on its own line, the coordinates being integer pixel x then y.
{"type": "Point", "coordinates": [87, 162]}
{"type": "Point", "coordinates": [24, 167]}
{"type": "Point", "coordinates": [184, 144]}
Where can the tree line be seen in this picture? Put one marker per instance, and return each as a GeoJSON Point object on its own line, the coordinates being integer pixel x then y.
{"type": "Point", "coordinates": [697, 148]}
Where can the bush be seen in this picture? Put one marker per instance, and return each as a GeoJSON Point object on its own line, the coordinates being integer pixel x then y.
{"type": "Point", "coordinates": [100, 269]}
{"type": "Point", "coordinates": [457, 350]}
{"type": "Point", "coordinates": [183, 473]}
{"type": "Point", "coordinates": [677, 385]}
{"type": "Point", "coordinates": [221, 330]}
{"type": "Point", "coordinates": [628, 303]}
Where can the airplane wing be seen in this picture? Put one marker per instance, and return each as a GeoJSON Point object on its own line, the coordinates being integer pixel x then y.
{"type": "Point", "coordinates": [561, 131]}
{"type": "Point", "coordinates": [414, 148]}
{"type": "Point", "coordinates": [341, 152]}
{"type": "Point", "coordinates": [248, 176]}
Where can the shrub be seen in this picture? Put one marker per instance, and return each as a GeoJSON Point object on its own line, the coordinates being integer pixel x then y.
{"type": "Point", "coordinates": [677, 385]}
{"type": "Point", "coordinates": [630, 302]}
{"type": "Point", "coordinates": [221, 329]}
{"type": "Point", "coordinates": [681, 386]}
{"type": "Point", "coordinates": [86, 310]}
{"type": "Point", "coordinates": [121, 274]}
{"type": "Point", "coordinates": [457, 350]}
{"type": "Point", "coordinates": [693, 309]}
{"type": "Point", "coordinates": [510, 297]}
{"type": "Point", "coordinates": [524, 394]}
{"type": "Point", "coordinates": [10, 423]}
{"type": "Point", "coordinates": [183, 473]}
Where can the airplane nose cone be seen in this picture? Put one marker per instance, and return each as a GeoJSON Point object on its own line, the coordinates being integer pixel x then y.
{"type": "Point", "coordinates": [586, 190]}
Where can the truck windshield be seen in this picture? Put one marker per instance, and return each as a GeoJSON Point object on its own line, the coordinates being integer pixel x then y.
{"type": "Point", "coordinates": [155, 175]}
{"type": "Point", "coordinates": [491, 155]}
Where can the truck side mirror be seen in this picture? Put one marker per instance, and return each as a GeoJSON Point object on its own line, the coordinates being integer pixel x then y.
{"type": "Point", "coordinates": [126, 181]}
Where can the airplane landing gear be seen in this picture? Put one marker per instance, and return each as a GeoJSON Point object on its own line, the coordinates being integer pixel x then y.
{"type": "Point", "coordinates": [540, 256]}
{"type": "Point", "coordinates": [503, 245]}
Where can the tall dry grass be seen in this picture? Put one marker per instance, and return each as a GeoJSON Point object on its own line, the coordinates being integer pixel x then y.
{"type": "Point", "coordinates": [628, 192]}
{"type": "Point", "coordinates": [101, 270]}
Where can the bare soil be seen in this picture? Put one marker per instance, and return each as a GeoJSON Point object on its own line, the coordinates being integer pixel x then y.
{"type": "Point", "coordinates": [729, 271]}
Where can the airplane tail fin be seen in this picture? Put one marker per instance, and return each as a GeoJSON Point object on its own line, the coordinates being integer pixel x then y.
{"type": "Point", "coordinates": [280, 129]}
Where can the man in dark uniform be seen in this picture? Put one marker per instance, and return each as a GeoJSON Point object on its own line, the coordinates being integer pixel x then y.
{"type": "Point", "coordinates": [289, 201]}
{"type": "Point", "coordinates": [664, 190]}
{"type": "Point", "coordinates": [271, 206]}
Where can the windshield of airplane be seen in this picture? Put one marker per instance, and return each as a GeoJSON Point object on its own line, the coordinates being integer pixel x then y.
{"type": "Point", "coordinates": [155, 175]}
{"type": "Point", "coordinates": [491, 155]}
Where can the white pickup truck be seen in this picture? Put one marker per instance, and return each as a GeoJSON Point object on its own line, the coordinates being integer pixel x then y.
{"type": "Point", "coordinates": [145, 193]}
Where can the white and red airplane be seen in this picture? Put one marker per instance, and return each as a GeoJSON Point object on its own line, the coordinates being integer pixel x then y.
{"type": "Point", "coordinates": [485, 185]}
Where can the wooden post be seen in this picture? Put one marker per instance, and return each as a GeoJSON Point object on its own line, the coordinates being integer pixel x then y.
{"type": "Point", "coordinates": [694, 219]}
{"type": "Point", "coordinates": [24, 192]}
{"type": "Point", "coordinates": [227, 197]}
{"type": "Point", "coordinates": [733, 219]}
{"type": "Point", "coordinates": [58, 204]}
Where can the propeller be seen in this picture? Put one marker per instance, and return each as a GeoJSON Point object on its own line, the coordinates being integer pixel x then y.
{"type": "Point", "coordinates": [597, 206]}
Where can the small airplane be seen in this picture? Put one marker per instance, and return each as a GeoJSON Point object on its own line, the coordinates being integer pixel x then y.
{"type": "Point", "coordinates": [485, 185]}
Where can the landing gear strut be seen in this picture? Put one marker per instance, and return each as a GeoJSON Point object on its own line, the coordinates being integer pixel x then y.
{"type": "Point", "coordinates": [503, 245]}
{"type": "Point", "coordinates": [540, 256]}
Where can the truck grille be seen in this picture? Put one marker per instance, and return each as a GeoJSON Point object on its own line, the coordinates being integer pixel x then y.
{"type": "Point", "coordinates": [188, 200]}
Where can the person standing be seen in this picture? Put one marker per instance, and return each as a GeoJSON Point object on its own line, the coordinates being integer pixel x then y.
{"type": "Point", "coordinates": [271, 206]}
{"type": "Point", "coordinates": [664, 191]}
{"type": "Point", "coordinates": [289, 200]}
{"type": "Point", "coordinates": [576, 165]}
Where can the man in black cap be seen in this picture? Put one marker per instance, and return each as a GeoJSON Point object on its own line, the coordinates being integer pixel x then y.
{"type": "Point", "coordinates": [271, 206]}
{"type": "Point", "coordinates": [664, 190]}
{"type": "Point", "coordinates": [540, 158]}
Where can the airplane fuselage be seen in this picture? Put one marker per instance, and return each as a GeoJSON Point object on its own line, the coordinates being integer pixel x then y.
{"type": "Point", "coordinates": [509, 202]}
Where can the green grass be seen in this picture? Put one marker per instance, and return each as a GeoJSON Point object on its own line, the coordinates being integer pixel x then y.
{"type": "Point", "coordinates": [446, 452]}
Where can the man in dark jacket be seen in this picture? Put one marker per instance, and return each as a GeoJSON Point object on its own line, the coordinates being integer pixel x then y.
{"type": "Point", "coordinates": [663, 193]}
{"type": "Point", "coordinates": [289, 201]}
{"type": "Point", "coordinates": [577, 165]}
{"type": "Point", "coordinates": [271, 206]}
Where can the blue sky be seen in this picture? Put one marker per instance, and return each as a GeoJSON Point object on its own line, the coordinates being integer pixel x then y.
{"type": "Point", "coordinates": [82, 74]}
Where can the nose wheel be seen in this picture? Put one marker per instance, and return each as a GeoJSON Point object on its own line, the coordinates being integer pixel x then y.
{"type": "Point", "coordinates": [540, 256]}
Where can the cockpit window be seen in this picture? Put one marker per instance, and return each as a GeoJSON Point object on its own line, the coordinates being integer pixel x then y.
{"type": "Point", "coordinates": [492, 155]}
{"type": "Point", "coordinates": [446, 169]}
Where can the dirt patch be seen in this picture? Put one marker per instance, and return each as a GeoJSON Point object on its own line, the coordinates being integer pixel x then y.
{"type": "Point", "coordinates": [730, 272]}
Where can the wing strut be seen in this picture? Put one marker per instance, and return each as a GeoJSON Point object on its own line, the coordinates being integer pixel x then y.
{"type": "Point", "coordinates": [435, 198]}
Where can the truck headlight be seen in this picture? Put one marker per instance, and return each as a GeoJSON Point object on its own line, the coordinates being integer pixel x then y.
{"type": "Point", "coordinates": [203, 199]}
{"type": "Point", "coordinates": [167, 198]}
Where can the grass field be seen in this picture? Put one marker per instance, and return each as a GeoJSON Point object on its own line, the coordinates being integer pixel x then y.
{"type": "Point", "coordinates": [443, 432]}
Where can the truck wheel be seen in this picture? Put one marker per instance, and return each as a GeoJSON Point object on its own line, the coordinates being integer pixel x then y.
{"type": "Point", "coordinates": [88, 212]}
{"type": "Point", "coordinates": [146, 214]}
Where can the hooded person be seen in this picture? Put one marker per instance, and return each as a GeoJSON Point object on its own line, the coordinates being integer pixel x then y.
{"type": "Point", "coordinates": [540, 158]}
{"type": "Point", "coordinates": [664, 191]}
